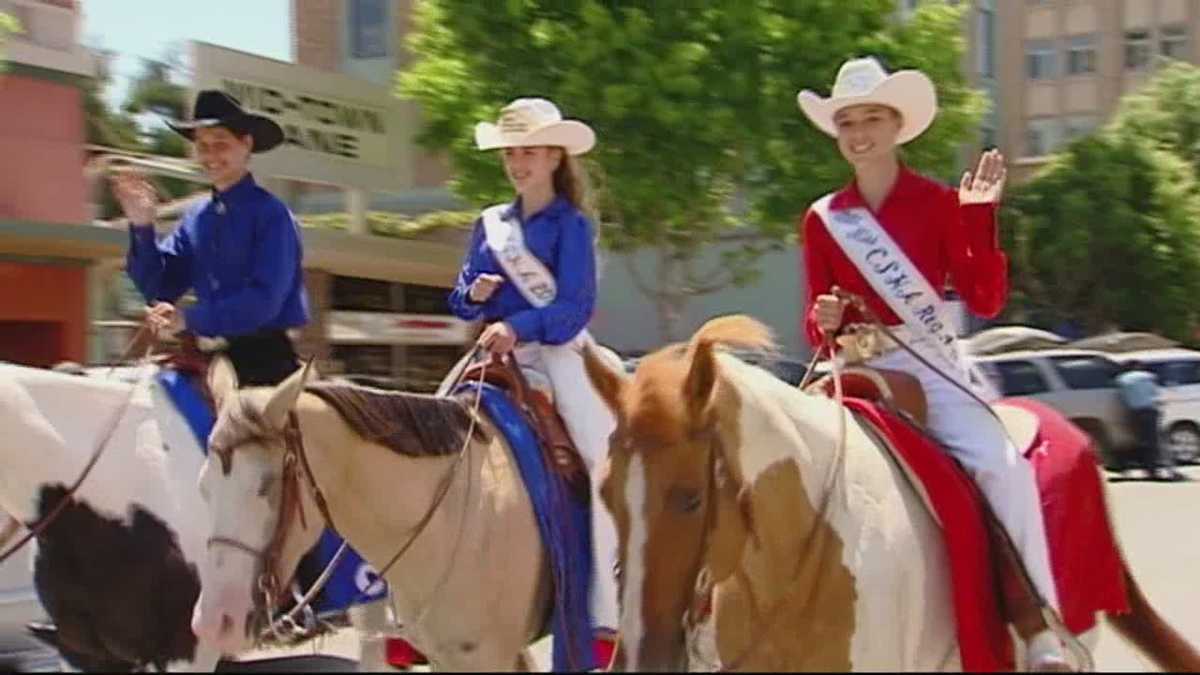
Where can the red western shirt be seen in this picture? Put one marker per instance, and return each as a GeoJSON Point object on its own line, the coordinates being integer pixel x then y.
{"type": "Point", "coordinates": [946, 242]}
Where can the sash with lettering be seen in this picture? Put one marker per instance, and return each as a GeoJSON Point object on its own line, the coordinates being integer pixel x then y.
{"type": "Point", "coordinates": [507, 241]}
{"type": "Point", "coordinates": [895, 278]}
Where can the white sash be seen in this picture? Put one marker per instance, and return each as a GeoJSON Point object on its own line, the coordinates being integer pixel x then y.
{"type": "Point", "coordinates": [507, 241]}
{"type": "Point", "coordinates": [895, 278]}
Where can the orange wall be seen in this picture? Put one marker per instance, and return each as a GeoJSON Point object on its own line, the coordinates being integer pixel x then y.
{"type": "Point", "coordinates": [32, 296]}
{"type": "Point", "coordinates": [41, 151]}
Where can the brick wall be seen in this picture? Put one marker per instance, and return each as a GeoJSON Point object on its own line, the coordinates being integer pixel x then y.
{"type": "Point", "coordinates": [316, 33]}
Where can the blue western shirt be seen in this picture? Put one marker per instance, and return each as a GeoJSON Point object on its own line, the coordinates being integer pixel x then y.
{"type": "Point", "coordinates": [562, 238]}
{"type": "Point", "coordinates": [240, 251]}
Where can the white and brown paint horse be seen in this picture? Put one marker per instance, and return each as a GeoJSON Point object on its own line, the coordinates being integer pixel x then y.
{"type": "Point", "coordinates": [117, 571]}
{"type": "Point", "coordinates": [472, 591]}
{"type": "Point", "coordinates": [723, 477]}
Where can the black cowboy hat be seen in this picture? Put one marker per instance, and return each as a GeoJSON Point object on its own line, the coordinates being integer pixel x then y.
{"type": "Point", "coordinates": [217, 109]}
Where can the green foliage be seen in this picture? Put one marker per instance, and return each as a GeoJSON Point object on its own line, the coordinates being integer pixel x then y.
{"type": "Point", "coordinates": [1107, 234]}
{"type": "Point", "coordinates": [694, 105]}
{"type": "Point", "coordinates": [386, 224]}
{"type": "Point", "coordinates": [1166, 112]}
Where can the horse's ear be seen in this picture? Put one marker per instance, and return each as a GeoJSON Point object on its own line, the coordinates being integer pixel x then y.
{"type": "Point", "coordinates": [701, 379]}
{"type": "Point", "coordinates": [284, 398]}
{"type": "Point", "coordinates": [222, 379]}
{"type": "Point", "coordinates": [608, 380]}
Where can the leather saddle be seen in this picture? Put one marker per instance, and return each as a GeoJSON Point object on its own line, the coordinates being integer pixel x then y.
{"type": "Point", "coordinates": [561, 454]}
{"type": "Point", "coordinates": [902, 394]}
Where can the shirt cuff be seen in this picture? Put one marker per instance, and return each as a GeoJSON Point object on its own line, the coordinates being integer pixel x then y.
{"type": "Point", "coordinates": [982, 233]}
{"type": "Point", "coordinates": [527, 325]}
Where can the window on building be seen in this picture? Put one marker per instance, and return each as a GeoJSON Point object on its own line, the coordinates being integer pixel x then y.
{"type": "Point", "coordinates": [1081, 55]}
{"type": "Point", "coordinates": [1137, 49]}
{"type": "Point", "coordinates": [1173, 42]}
{"type": "Point", "coordinates": [419, 299]}
{"type": "Point", "coordinates": [1042, 136]}
{"type": "Point", "coordinates": [372, 360]}
{"type": "Point", "coordinates": [987, 41]}
{"type": "Point", "coordinates": [361, 295]}
{"type": "Point", "coordinates": [1075, 126]}
{"type": "Point", "coordinates": [369, 29]}
{"type": "Point", "coordinates": [1040, 60]}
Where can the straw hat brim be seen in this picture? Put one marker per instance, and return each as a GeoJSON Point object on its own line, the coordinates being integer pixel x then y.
{"type": "Point", "coordinates": [576, 137]}
{"type": "Point", "coordinates": [910, 92]}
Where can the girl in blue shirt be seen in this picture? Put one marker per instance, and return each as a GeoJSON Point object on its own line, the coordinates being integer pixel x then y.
{"type": "Point", "coordinates": [530, 274]}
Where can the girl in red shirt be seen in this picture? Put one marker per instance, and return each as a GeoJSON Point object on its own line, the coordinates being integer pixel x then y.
{"type": "Point", "coordinates": [950, 236]}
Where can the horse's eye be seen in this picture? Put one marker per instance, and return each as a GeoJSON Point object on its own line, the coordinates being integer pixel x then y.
{"type": "Point", "coordinates": [264, 488]}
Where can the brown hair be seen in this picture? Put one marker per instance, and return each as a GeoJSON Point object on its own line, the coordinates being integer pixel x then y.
{"type": "Point", "coordinates": [571, 181]}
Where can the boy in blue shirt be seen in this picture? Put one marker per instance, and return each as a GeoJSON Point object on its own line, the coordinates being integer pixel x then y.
{"type": "Point", "coordinates": [239, 250]}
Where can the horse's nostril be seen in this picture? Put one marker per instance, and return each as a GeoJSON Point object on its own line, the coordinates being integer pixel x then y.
{"type": "Point", "coordinates": [226, 624]}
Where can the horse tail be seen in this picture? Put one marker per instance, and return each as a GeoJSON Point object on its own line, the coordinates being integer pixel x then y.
{"type": "Point", "coordinates": [1149, 632]}
{"type": "Point", "coordinates": [734, 330]}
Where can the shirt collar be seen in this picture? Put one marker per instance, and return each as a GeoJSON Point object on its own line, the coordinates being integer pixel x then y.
{"type": "Point", "coordinates": [238, 192]}
{"type": "Point", "coordinates": [556, 207]}
{"type": "Point", "coordinates": [849, 197]}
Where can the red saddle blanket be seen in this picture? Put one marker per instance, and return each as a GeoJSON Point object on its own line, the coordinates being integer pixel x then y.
{"type": "Point", "coordinates": [1084, 557]}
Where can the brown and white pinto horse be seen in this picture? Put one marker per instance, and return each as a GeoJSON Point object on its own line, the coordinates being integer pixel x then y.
{"type": "Point", "coordinates": [721, 476]}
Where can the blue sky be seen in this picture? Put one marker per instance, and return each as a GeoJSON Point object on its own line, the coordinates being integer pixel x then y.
{"type": "Point", "coordinates": [146, 28]}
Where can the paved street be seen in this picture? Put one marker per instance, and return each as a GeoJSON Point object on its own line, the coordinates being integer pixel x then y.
{"type": "Point", "coordinates": [1158, 525]}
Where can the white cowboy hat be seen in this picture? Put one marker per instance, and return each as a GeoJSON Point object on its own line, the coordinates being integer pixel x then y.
{"type": "Point", "coordinates": [864, 82]}
{"type": "Point", "coordinates": [531, 122]}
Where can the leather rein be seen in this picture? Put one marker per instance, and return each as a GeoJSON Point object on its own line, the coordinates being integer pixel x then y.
{"type": "Point", "coordinates": [295, 464]}
{"type": "Point", "coordinates": [38, 527]}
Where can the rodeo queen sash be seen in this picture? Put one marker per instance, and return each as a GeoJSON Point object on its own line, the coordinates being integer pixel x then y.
{"type": "Point", "coordinates": [506, 238]}
{"type": "Point", "coordinates": [894, 277]}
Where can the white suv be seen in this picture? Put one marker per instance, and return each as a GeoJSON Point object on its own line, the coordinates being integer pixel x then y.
{"type": "Point", "coordinates": [1178, 373]}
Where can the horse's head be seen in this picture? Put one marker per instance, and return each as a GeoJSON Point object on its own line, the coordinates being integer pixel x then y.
{"type": "Point", "coordinates": [671, 486]}
{"type": "Point", "coordinates": [262, 515]}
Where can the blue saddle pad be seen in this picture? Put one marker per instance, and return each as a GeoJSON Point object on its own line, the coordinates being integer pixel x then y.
{"type": "Point", "coordinates": [353, 581]}
{"type": "Point", "coordinates": [565, 524]}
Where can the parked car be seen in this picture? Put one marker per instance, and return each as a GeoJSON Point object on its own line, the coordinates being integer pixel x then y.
{"type": "Point", "coordinates": [1178, 372]}
{"type": "Point", "coordinates": [1079, 384]}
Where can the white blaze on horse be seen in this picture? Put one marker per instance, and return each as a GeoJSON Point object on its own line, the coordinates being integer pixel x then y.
{"type": "Point", "coordinates": [116, 570]}
{"type": "Point", "coordinates": [472, 589]}
{"type": "Point", "coordinates": [725, 479]}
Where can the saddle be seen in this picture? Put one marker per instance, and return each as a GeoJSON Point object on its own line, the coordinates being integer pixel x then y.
{"type": "Point", "coordinates": [561, 454]}
{"type": "Point", "coordinates": [901, 393]}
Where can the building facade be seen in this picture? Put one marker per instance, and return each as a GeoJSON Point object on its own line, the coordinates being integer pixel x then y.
{"type": "Point", "coordinates": [44, 298]}
{"type": "Point", "coordinates": [1064, 64]}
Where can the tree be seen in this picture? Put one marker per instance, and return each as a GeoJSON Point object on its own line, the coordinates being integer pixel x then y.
{"type": "Point", "coordinates": [157, 90]}
{"type": "Point", "coordinates": [1166, 111]}
{"type": "Point", "coordinates": [1105, 234]}
{"type": "Point", "coordinates": [8, 26]}
{"type": "Point", "coordinates": [701, 141]}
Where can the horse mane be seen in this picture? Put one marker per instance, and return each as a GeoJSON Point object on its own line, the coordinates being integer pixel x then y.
{"type": "Point", "coordinates": [413, 425]}
{"type": "Point", "coordinates": [658, 391]}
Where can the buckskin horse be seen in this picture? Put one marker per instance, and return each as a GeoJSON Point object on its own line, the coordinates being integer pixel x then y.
{"type": "Point", "coordinates": [439, 482]}
{"type": "Point", "coordinates": [748, 541]}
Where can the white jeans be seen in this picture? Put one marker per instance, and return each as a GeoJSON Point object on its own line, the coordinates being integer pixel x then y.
{"type": "Point", "coordinates": [976, 439]}
{"type": "Point", "coordinates": [590, 423]}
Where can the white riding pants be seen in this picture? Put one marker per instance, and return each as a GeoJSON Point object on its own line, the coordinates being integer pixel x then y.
{"type": "Point", "coordinates": [976, 438]}
{"type": "Point", "coordinates": [589, 423]}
